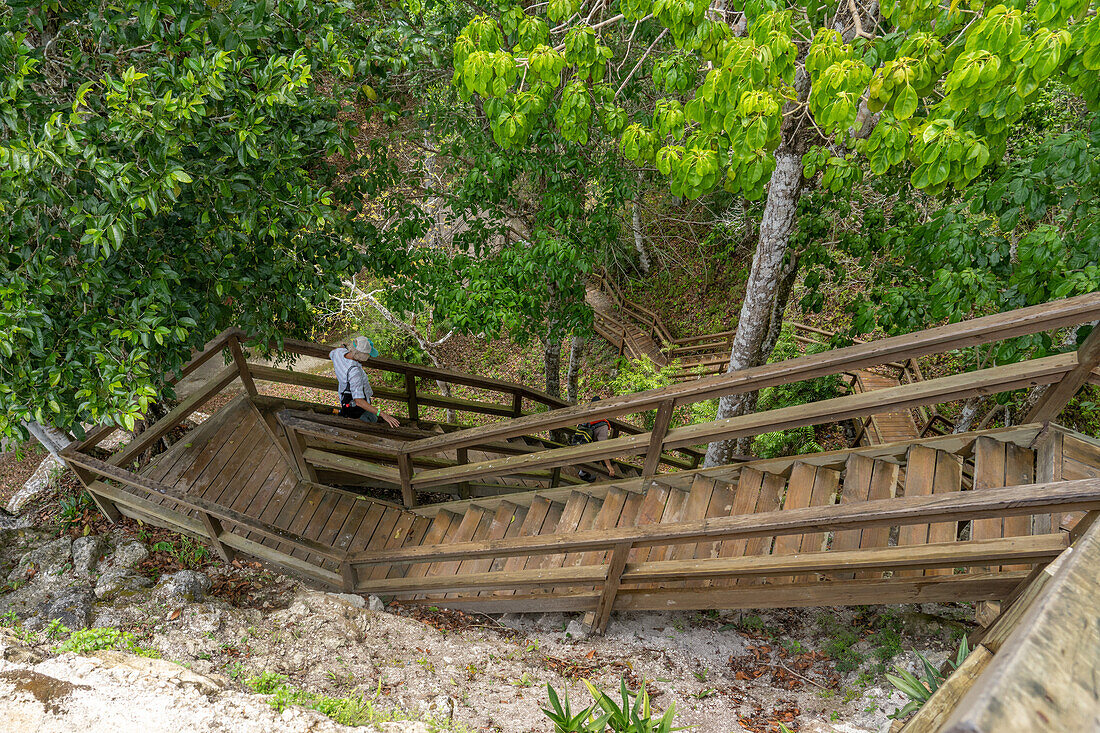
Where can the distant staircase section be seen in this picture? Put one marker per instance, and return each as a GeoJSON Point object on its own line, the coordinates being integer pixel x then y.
{"type": "Point", "coordinates": [634, 331]}
{"type": "Point", "coordinates": [927, 518]}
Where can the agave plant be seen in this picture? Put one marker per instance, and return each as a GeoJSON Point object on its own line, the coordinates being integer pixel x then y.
{"type": "Point", "coordinates": [919, 689]}
{"type": "Point", "coordinates": [632, 714]}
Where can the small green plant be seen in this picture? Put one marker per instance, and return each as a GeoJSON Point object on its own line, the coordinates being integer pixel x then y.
{"type": "Point", "coordinates": [8, 619]}
{"type": "Point", "coordinates": [71, 508]}
{"type": "Point", "coordinates": [524, 681]}
{"type": "Point", "coordinates": [919, 689]}
{"type": "Point", "coordinates": [83, 641]}
{"type": "Point", "coordinates": [632, 714]}
{"type": "Point", "coordinates": [188, 552]}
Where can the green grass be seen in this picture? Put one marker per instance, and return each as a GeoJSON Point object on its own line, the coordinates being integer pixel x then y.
{"type": "Point", "coordinates": [353, 710]}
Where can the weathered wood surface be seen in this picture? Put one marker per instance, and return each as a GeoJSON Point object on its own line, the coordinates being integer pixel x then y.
{"type": "Point", "coordinates": [988, 329]}
{"type": "Point", "coordinates": [1082, 494]}
{"type": "Point", "coordinates": [1044, 676]}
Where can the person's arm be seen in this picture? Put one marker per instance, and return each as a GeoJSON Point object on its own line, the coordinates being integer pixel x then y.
{"type": "Point", "coordinates": [387, 418]}
{"type": "Point", "coordinates": [610, 467]}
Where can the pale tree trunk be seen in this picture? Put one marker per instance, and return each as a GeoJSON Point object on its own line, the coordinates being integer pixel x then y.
{"type": "Point", "coordinates": [966, 415]}
{"type": "Point", "coordinates": [636, 228]}
{"type": "Point", "coordinates": [761, 289]}
{"type": "Point", "coordinates": [551, 359]}
{"type": "Point", "coordinates": [573, 371]}
{"type": "Point", "coordinates": [51, 438]}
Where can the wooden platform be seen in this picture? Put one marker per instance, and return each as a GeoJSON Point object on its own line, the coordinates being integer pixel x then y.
{"type": "Point", "coordinates": [458, 554]}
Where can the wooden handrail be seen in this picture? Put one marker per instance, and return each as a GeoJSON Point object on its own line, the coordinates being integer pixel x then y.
{"type": "Point", "coordinates": [958, 386]}
{"type": "Point", "coordinates": [1078, 495]}
{"type": "Point", "coordinates": [988, 329]}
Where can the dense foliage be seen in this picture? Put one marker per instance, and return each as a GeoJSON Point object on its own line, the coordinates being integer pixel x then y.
{"type": "Point", "coordinates": [169, 168]}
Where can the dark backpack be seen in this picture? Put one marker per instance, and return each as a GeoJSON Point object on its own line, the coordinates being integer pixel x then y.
{"type": "Point", "coordinates": [585, 433]}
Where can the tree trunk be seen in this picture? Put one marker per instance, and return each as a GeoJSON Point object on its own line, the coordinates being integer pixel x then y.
{"type": "Point", "coordinates": [636, 228]}
{"type": "Point", "coordinates": [760, 292]}
{"type": "Point", "coordinates": [573, 371]}
{"type": "Point", "coordinates": [967, 415]}
{"type": "Point", "coordinates": [50, 437]}
{"type": "Point", "coordinates": [551, 359]}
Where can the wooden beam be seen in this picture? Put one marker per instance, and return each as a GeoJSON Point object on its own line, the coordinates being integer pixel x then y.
{"type": "Point", "coordinates": [302, 467]}
{"type": "Point", "coordinates": [1034, 319]}
{"type": "Point", "coordinates": [148, 511]}
{"type": "Point", "coordinates": [953, 506]}
{"type": "Point", "coordinates": [214, 532]}
{"type": "Point", "coordinates": [410, 393]}
{"type": "Point", "coordinates": [1054, 400]}
{"type": "Point", "coordinates": [657, 437]}
{"type": "Point", "coordinates": [214, 346]}
{"type": "Point", "coordinates": [1043, 676]}
{"type": "Point", "coordinates": [242, 366]}
{"type": "Point", "coordinates": [404, 471]}
{"type": "Point", "coordinates": [611, 586]}
{"type": "Point", "coordinates": [175, 416]}
{"type": "Point", "coordinates": [352, 465]}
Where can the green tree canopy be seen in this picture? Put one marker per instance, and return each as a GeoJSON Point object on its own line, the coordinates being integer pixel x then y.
{"type": "Point", "coordinates": [168, 168]}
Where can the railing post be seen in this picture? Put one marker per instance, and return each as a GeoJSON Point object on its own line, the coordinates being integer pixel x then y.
{"type": "Point", "coordinates": [611, 586]}
{"type": "Point", "coordinates": [404, 468]}
{"type": "Point", "coordinates": [214, 530]}
{"type": "Point", "coordinates": [657, 437]}
{"type": "Point", "coordinates": [555, 476]}
{"type": "Point", "coordinates": [349, 576]}
{"type": "Point", "coordinates": [464, 487]}
{"type": "Point", "coordinates": [297, 448]}
{"type": "Point", "coordinates": [517, 403]}
{"type": "Point", "coordinates": [410, 392]}
{"type": "Point", "coordinates": [242, 366]}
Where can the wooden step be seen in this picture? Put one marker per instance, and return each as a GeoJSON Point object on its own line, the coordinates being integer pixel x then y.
{"type": "Point", "coordinates": [462, 532]}
{"type": "Point", "coordinates": [808, 486]}
{"type": "Point", "coordinates": [865, 479]}
{"type": "Point", "coordinates": [929, 471]}
{"type": "Point", "coordinates": [695, 507]}
{"type": "Point", "coordinates": [998, 464]}
{"type": "Point", "coordinates": [756, 492]}
{"type": "Point", "coordinates": [435, 535]}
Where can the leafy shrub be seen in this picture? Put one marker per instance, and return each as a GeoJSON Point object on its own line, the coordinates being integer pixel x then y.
{"type": "Point", "coordinates": [793, 442]}
{"type": "Point", "coordinates": [639, 375]}
{"type": "Point", "coordinates": [189, 553]}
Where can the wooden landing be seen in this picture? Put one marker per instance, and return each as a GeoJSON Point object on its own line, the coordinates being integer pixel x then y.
{"type": "Point", "coordinates": [235, 461]}
{"type": "Point", "coordinates": [885, 427]}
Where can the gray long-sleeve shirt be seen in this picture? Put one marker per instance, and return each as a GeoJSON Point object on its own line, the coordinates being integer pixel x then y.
{"type": "Point", "coordinates": [350, 375]}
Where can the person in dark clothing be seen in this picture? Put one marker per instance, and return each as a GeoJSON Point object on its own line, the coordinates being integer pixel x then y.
{"type": "Point", "coordinates": [591, 432]}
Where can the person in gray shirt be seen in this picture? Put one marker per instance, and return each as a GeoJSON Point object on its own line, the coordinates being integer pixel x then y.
{"type": "Point", "coordinates": [352, 383]}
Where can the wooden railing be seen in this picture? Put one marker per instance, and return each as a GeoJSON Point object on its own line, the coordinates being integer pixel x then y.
{"type": "Point", "coordinates": [616, 544]}
{"type": "Point", "coordinates": [639, 313]}
{"type": "Point", "coordinates": [665, 400]}
{"type": "Point", "coordinates": [230, 530]}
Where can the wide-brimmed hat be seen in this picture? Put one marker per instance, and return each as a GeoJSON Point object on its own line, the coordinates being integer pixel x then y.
{"type": "Point", "coordinates": [364, 345]}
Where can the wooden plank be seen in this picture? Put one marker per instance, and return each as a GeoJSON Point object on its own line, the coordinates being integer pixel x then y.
{"type": "Point", "coordinates": [591, 512]}
{"type": "Point", "coordinates": [1078, 495]}
{"type": "Point", "coordinates": [570, 520]}
{"type": "Point", "coordinates": [634, 575]}
{"type": "Point", "coordinates": [532, 525]}
{"type": "Point", "coordinates": [856, 489]}
{"type": "Point", "coordinates": [936, 340]}
{"type": "Point", "coordinates": [673, 514]}
{"type": "Point", "coordinates": [854, 592]}
{"type": "Point", "coordinates": [175, 416]}
{"type": "Point", "coordinates": [948, 479]}
{"type": "Point", "coordinates": [214, 533]}
{"type": "Point", "coordinates": [355, 466]}
{"type": "Point", "coordinates": [698, 502]}
{"type": "Point", "coordinates": [1043, 678]}
{"type": "Point", "coordinates": [406, 523]}
{"type": "Point", "coordinates": [1019, 471]}
{"type": "Point", "coordinates": [989, 472]}
{"type": "Point", "coordinates": [607, 518]}
{"type": "Point", "coordinates": [151, 488]}
{"type": "Point", "coordinates": [799, 490]}
{"type": "Point", "coordinates": [994, 379]}
{"type": "Point", "coordinates": [884, 484]}
{"type": "Point", "coordinates": [238, 469]}
{"type": "Point", "coordinates": [465, 532]}
{"type": "Point", "coordinates": [722, 501]}
{"type": "Point", "coordinates": [440, 525]}
{"type": "Point", "coordinates": [744, 502]}
{"type": "Point", "coordinates": [826, 482]}
{"type": "Point", "coordinates": [242, 366]}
